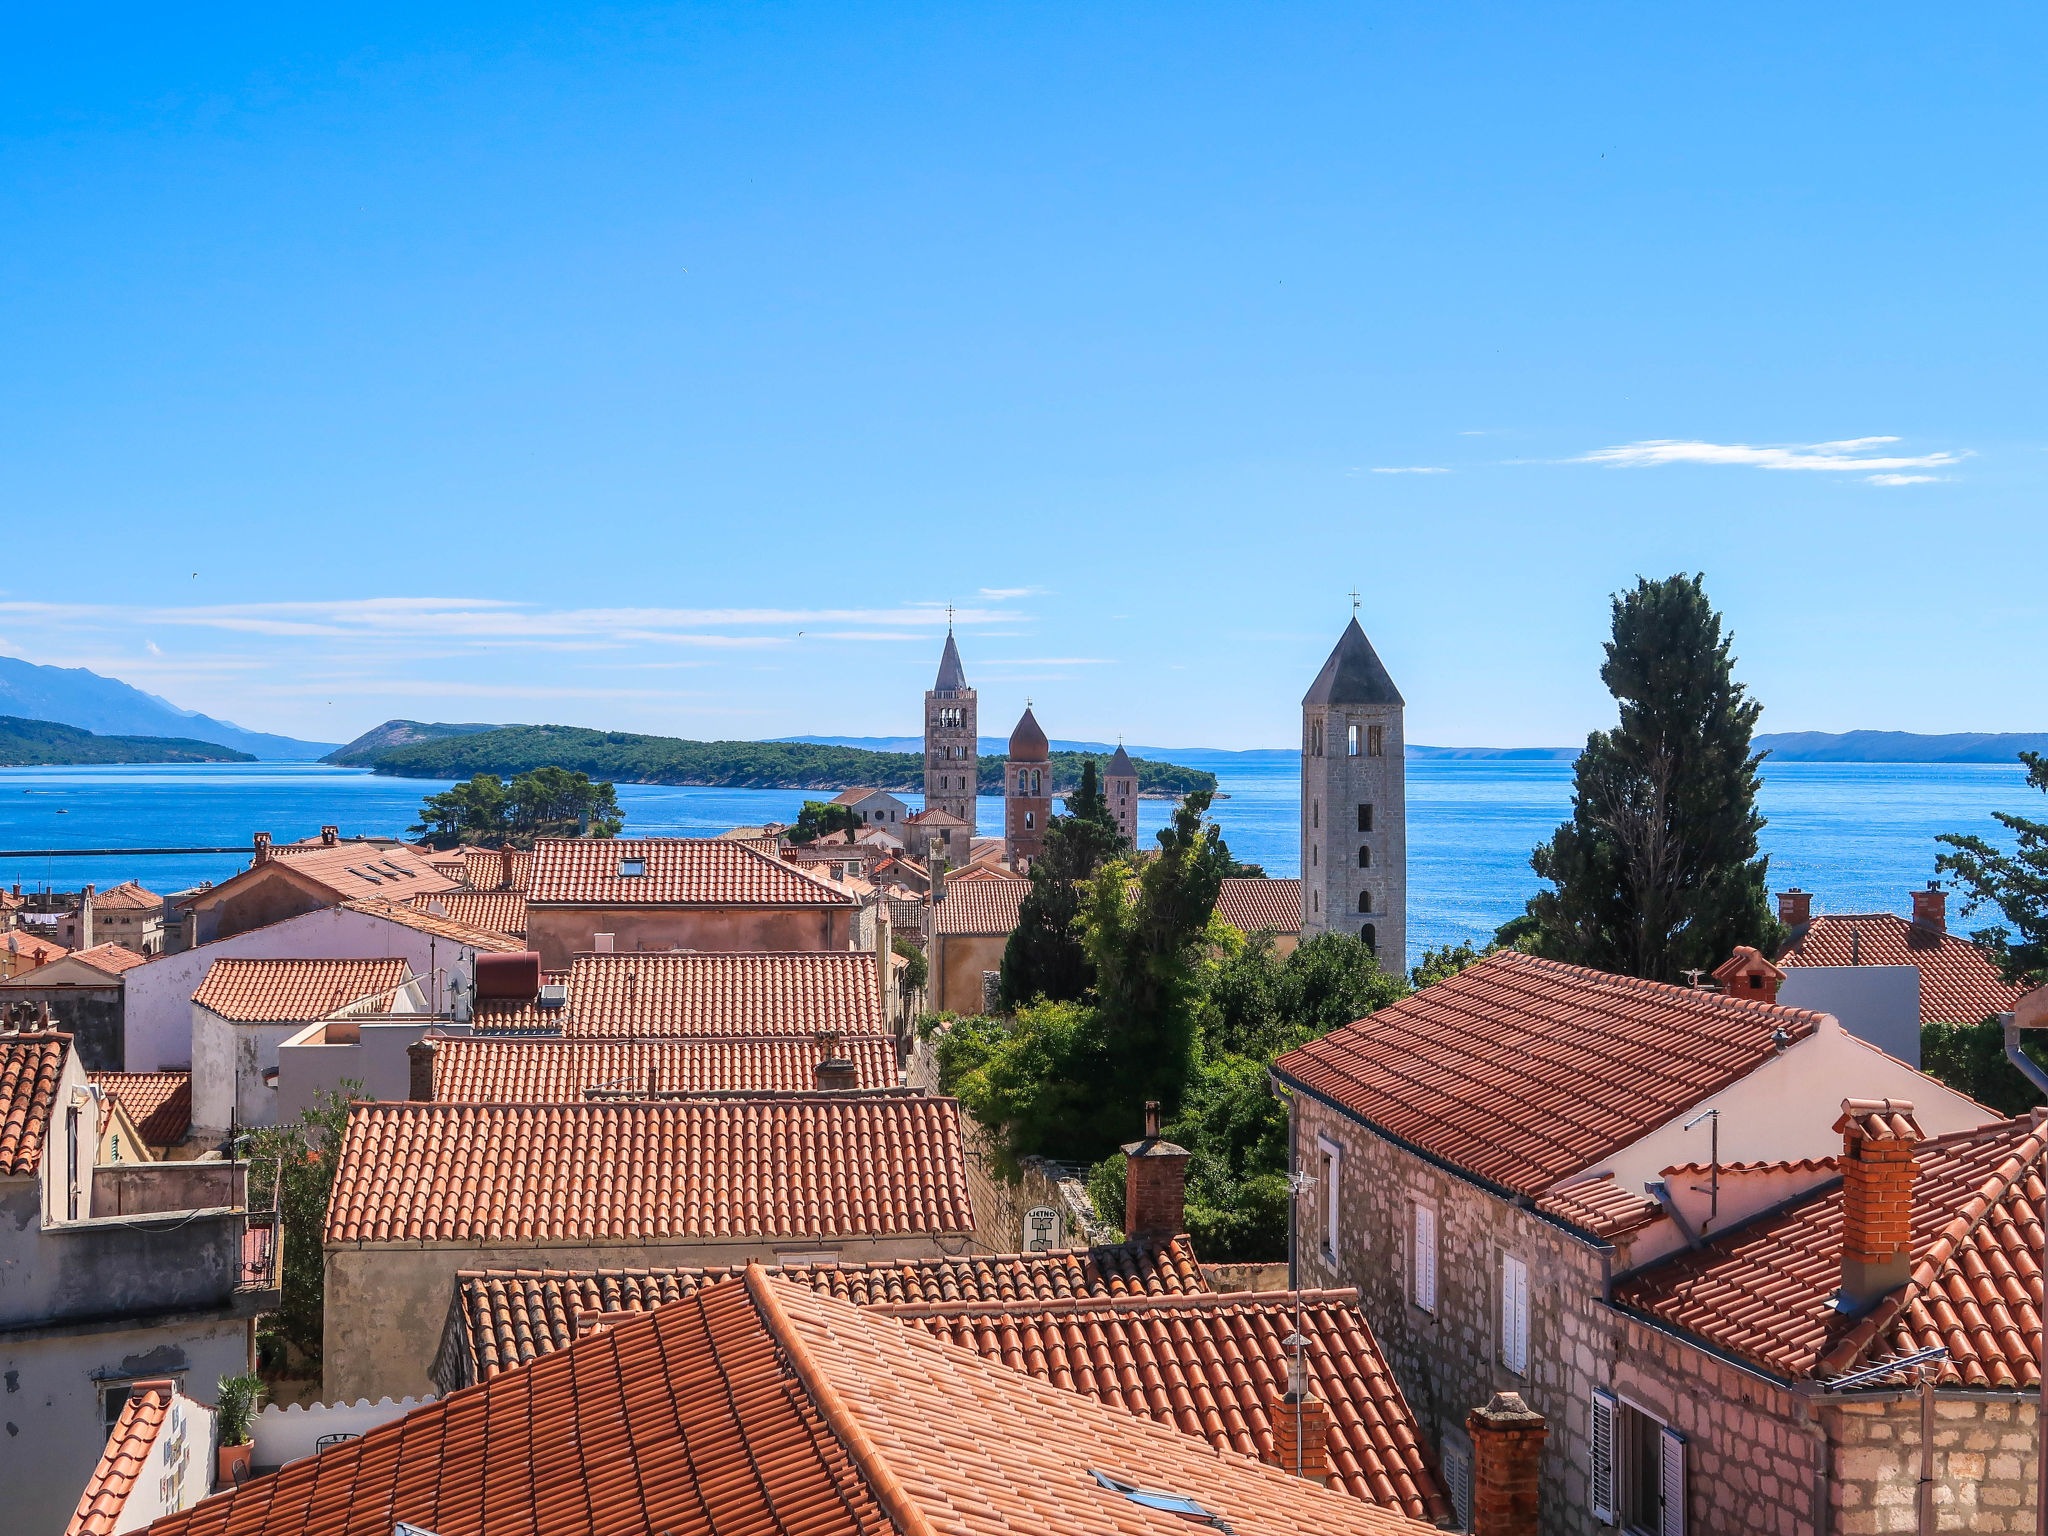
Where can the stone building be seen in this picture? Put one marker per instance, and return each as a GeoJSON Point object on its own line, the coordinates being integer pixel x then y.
{"type": "Point", "coordinates": [1120, 788]}
{"type": "Point", "coordinates": [1354, 803]}
{"type": "Point", "coordinates": [950, 741]}
{"type": "Point", "coordinates": [1484, 1155]}
{"type": "Point", "coordinates": [127, 915]}
{"type": "Point", "coordinates": [1027, 793]}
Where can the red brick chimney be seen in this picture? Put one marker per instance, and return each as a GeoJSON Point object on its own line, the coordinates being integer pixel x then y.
{"type": "Point", "coordinates": [1301, 1430]}
{"type": "Point", "coordinates": [262, 850]}
{"type": "Point", "coordinates": [1507, 1456]}
{"type": "Point", "coordinates": [1930, 907]}
{"type": "Point", "coordinates": [420, 1059]}
{"type": "Point", "coordinates": [835, 1070]}
{"type": "Point", "coordinates": [1746, 973]}
{"type": "Point", "coordinates": [1795, 907]}
{"type": "Point", "coordinates": [329, 836]}
{"type": "Point", "coordinates": [1878, 1138]}
{"type": "Point", "coordinates": [505, 852]}
{"type": "Point", "coordinates": [1155, 1183]}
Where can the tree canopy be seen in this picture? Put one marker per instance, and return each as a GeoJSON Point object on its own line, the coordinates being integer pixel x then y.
{"type": "Point", "coordinates": [2015, 884]}
{"type": "Point", "coordinates": [1658, 870]}
{"type": "Point", "coordinates": [821, 818]}
{"type": "Point", "coordinates": [548, 802]}
{"type": "Point", "coordinates": [1045, 956]}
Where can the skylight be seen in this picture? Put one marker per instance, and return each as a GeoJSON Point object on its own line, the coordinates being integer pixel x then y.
{"type": "Point", "coordinates": [1171, 1503]}
{"type": "Point", "coordinates": [628, 868]}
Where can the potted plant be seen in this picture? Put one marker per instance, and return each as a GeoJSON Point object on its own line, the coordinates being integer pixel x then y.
{"type": "Point", "coordinates": [234, 1425]}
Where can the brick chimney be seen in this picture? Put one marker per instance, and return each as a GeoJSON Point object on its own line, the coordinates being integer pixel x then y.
{"type": "Point", "coordinates": [419, 1058]}
{"type": "Point", "coordinates": [1301, 1429]}
{"type": "Point", "coordinates": [1746, 973]}
{"type": "Point", "coordinates": [262, 849]}
{"type": "Point", "coordinates": [1930, 908]}
{"type": "Point", "coordinates": [85, 918]}
{"type": "Point", "coordinates": [329, 836]}
{"type": "Point", "coordinates": [505, 880]}
{"type": "Point", "coordinates": [1155, 1183]}
{"type": "Point", "coordinates": [1795, 907]}
{"type": "Point", "coordinates": [834, 1070]}
{"type": "Point", "coordinates": [1507, 1454]}
{"type": "Point", "coordinates": [1878, 1138]}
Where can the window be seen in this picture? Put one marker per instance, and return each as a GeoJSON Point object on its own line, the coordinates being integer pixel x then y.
{"type": "Point", "coordinates": [1365, 818]}
{"type": "Point", "coordinates": [1365, 901]}
{"type": "Point", "coordinates": [1457, 1463]}
{"type": "Point", "coordinates": [1330, 1163]}
{"type": "Point", "coordinates": [1370, 937]}
{"type": "Point", "coordinates": [1317, 897]}
{"type": "Point", "coordinates": [1316, 814]}
{"type": "Point", "coordinates": [1424, 1265]}
{"type": "Point", "coordinates": [1352, 742]}
{"type": "Point", "coordinates": [1637, 1469]}
{"type": "Point", "coordinates": [1034, 782]}
{"type": "Point", "coordinates": [1514, 1314]}
{"type": "Point", "coordinates": [1315, 855]}
{"type": "Point", "coordinates": [630, 869]}
{"type": "Point", "coordinates": [1375, 741]}
{"type": "Point", "coordinates": [1030, 820]}
{"type": "Point", "coordinates": [1364, 857]}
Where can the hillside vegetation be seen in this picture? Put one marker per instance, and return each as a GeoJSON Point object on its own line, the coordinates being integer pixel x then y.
{"type": "Point", "coordinates": [44, 743]}
{"type": "Point", "coordinates": [362, 752]}
{"type": "Point", "coordinates": [627, 758]}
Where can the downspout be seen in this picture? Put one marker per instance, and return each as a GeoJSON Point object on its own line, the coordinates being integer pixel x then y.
{"type": "Point", "coordinates": [2020, 1058]}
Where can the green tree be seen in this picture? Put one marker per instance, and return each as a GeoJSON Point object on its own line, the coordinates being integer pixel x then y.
{"type": "Point", "coordinates": [2015, 883]}
{"type": "Point", "coordinates": [478, 810]}
{"type": "Point", "coordinates": [1970, 1058]}
{"type": "Point", "coordinates": [560, 802]}
{"type": "Point", "coordinates": [303, 1154]}
{"type": "Point", "coordinates": [1442, 964]}
{"type": "Point", "coordinates": [822, 818]}
{"type": "Point", "coordinates": [1658, 870]}
{"type": "Point", "coordinates": [916, 968]}
{"type": "Point", "coordinates": [1045, 956]}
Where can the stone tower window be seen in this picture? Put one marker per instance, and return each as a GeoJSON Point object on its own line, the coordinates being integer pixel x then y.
{"type": "Point", "coordinates": [1315, 738]}
{"type": "Point", "coordinates": [1316, 813]}
{"type": "Point", "coordinates": [1371, 937]}
{"type": "Point", "coordinates": [1375, 740]}
{"type": "Point", "coordinates": [1365, 818]}
{"type": "Point", "coordinates": [1365, 901]}
{"type": "Point", "coordinates": [1034, 781]}
{"type": "Point", "coordinates": [1352, 741]}
{"type": "Point", "coordinates": [1364, 856]}
{"type": "Point", "coordinates": [1317, 897]}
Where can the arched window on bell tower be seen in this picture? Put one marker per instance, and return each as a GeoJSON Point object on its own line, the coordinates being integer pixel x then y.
{"type": "Point", "coordinates": [1364, 856]}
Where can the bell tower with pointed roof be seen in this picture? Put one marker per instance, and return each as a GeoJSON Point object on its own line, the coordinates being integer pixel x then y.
{"type": "Point", "coordinates": [949, 741]}
{"type": "Point", "coordinates": [1120, 789]}
{"type": "Point", "coordinates": [1027, 792]}
{"type": "Point", "coordinates": [1354, 802]}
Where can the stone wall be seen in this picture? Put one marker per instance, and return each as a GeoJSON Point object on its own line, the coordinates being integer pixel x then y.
{"type": "Point", "coordinates": [1985, 1463]}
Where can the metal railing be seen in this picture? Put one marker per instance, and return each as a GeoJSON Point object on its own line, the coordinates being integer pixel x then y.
{"type": "Point", "coordinates": [263, 1235]}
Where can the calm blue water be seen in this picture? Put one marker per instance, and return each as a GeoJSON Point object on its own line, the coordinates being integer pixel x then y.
{"type": "Point", "coordinates": [1858, 834]}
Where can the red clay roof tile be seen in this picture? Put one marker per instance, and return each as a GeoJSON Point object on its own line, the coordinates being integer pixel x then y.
{"type": "Point", "coordinates": [1601, 1207]}
{"type": "Point", "coordinates": [981, 906]}
{"type": "Point", "coordinates": [493, 911]}
{"type": "Point", "coordinates": [285, 991]}
{"type": "Point", "coordinates": [105, 1498]}
{"type": "Point", "coordinates": [676, 871]}
{"type": "Point", "coordinates": [480, 1070]}
{"type": "Point", "coordinates": [420, 915]}
{"type": "Point", "coordinates": [355, 869]}
{"type": "Point", "coordinates": [160, 1103]}
{"type": "Point", "coordinates": [114, 959]}
{"type": "Point", "coordinates": [128, 896]}
{"type": "Point", "coordinates": [712, 994]}
{"type": "Point", "coordinates": [31, 1066]}
{"type": "Point", "coordinates": [1254, 905]}
{"type": "Point", "coordinates": [1958, 982]}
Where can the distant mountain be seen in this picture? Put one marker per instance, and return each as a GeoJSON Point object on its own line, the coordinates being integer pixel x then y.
{"type": "Point", "coordinates": [74, 696]}
{"type": "Point", "coordinates": [995, 746]}
{"type": "Point", "coordinates": [1900, 746]}
{"type": "Point", "coordinates": [44, 743]}
{"type": "Point", "coordinates": [364, 750]}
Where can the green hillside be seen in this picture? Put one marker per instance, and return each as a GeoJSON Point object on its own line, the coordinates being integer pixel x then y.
{"type": "Point", "coordinates": [624, 757]}
{"type": "Point", "coordinates": [45, 744]}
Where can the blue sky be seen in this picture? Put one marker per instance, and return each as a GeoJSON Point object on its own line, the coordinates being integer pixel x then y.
{"type": "Point", "coordinates": [672, 369]}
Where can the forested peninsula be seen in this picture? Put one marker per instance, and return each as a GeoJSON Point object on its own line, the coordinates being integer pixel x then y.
{"type": "Point", "coordinates": [46, 744]}
{"type": "Point", "coordinates": [624, 757]}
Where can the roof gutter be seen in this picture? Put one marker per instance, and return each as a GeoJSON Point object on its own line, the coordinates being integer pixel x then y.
{"type": "Point", "coordinates": [2019, 1058]}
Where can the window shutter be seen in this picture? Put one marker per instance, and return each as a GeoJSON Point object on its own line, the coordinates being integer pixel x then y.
{"type": "Point", "coordinates": [1425, 1258]}
{"type": "Point", "coordinates": [1671, 1483]}
{"type": "Point", "coordinates": [1458, 1482]}
{"type": "Point", "coordinates": [1602, 1458]}
{"type": "Point", "coordinates": [1514, 1314]}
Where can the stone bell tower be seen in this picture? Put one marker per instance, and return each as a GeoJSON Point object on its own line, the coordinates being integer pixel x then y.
{"type": "Point", "coordinates": [949, 740]}
{"type": "Point", "coordinates": [1027, 792]}
{"type": "Point", "coordinates": [1354, 803]}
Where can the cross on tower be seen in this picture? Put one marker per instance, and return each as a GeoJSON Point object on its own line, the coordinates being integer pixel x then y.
{"type": "Point", "coordinates": [1353, 595]}
{"type": "Point", "coordinates": [949, 618]}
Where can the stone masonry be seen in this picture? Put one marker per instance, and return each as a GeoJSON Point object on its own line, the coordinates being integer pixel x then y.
{"type": "Point", "coordinates": [950, 765]}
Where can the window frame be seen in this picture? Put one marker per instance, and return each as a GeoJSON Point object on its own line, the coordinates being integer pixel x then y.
{"type": "Point", "coordinates": [1424, 1242]}
{"type": "Point", "coordinates": [1514, 1313]}
{"type": "Point", "coordinates": [1351, 741]}
{"type": "Point", "coordinates": [1330, 1155]}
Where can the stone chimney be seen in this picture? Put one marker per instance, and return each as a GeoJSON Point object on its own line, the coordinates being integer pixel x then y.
{"type": "Point", "coordinates": [1507, 1454]}
{"type": "Point", "coordinates": [1155, 1183]}
{"type": "Point", "coordinates": [1795, 907]}
{"type": "Point", "coordinates": [1930, 908]}
{"type": "Point", "coordinates": [85, 918]}
{"type": "Point", "coordinates": [505, 876]}
{"type": "Point", "coordinates": [329, 836]}
{"type": "Point", "coordinates": [419, 1058]}
{"type": "Point", "coordinates": [1878, 1138]}
{"type": "Point", "coordinates": [835, 1071]}
{"type": "Point", "coordinates": [262, 849]}
{"type": "Point", "coordinates": [1301, 1429]}
{"type": "Point", "coordinates": [1746, 973]}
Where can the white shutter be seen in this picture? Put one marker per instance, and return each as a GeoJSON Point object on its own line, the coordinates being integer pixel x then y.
{"type": "Point", "coordinates": [1425, 1258]}
{"type": "Point", "coordinates": [1671, 1483]}
{"type": "Point", "coordinates": [1514, 1314]}
{"type": "Point", "coordinates": [1602, 1458]}
{"type": "Point", "coordinates": [1458, 1482]}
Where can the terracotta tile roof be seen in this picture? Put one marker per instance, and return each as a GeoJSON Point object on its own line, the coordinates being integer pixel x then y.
{"type": "Point", "coordinates": [985, 871]}
{"type": "Point", "coordinates": [480, 1070]}
{"type": "Point", "coordinates": [1214, 1367]}
{"type": "Point", "coordinates": [128, 896]}
{"type": "Point", "coordinates": [511, 1316]}
{"type": "Point", "coordinates": [1526, 1071]}
{"type": "Point", "coordinates": [484, 869]}
{"type": "Point", "coordinates": [493, 911]}
{"type": "Point", "coordinates": [1252, 905]}
{"type": "Point", "coordinates": [981, 906]}
{"type": "Point", "coordinates": [422, 918]}
{"type": "Point", "coordinates": [285, 991]}
{"type": "Point", "coordinates": [716, 993]}
{"type": "Point", "coordinates": [791, 1165]}
{"type": "Point", "coordinates": [762, 1408]}
{"type": "Point", "coordinates": [679, 871]}
{"type": "Point", "coordinates": [1602, 1207]}
{"type": "Point", "coordinates": [33, 946]}
{"type": "Point", "coordinates": [1880, 1120]}
{"type": "Point", "coordinates": [160, 1103]}
{"type": "Point", "coordinates": [353, 869]}
{"type": "Point", "coordinates": [1958, 982]}
{"type": "Point", "coordinates": [31, 1066]}
{"type": "Point", "coordinates": [111, 958]}
{"type": "Point", "coordinates": [105, 1498]}
{"type": "Point", "coordinates": [1765, 1290]}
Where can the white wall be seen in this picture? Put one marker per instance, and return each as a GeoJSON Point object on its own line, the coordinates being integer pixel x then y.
{"type": "Point", "coordinates": [158, 1008]}
{"type": "Point", "coordinates": [178, 1471]}
{"type": "Point", "coordinates": [288, 1434]}
{"type": "Point", "coordinates": [1878, 1003]}
{"type": "Point", "coordinates": [379, 1061]}
{"type": "Point", "coordinates": [229, 1061]}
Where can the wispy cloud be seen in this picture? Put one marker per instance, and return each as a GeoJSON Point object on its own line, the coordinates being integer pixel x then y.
{"type": "Point", "coordinates": [1904, 479]}
{"type": "Point", "coordinates": [1854, 455]}
{"type": "Point", "coordinates": [1047, 661]}
{"type": "Point", "coordinates": [1004, 594]}
{"type": "Point", "coordinates": [1409, 469]}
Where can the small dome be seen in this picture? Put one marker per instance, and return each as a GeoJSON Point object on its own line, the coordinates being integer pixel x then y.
{"type": "Point", "coordinates": [1027, 742]}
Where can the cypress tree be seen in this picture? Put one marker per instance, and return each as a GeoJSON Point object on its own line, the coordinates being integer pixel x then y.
{"type": "Point", "coordinates": [1657, 872]}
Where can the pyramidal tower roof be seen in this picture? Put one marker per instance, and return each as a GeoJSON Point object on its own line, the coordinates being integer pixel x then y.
{"type": "Point", "coordinates": [1354, 674]}
{"type": "Point", "coordinates": [1120, 766]}
{"type": "Point", "coordinates": [1027, 742]}
{"type": "Point", "coordinates": [952, 676]}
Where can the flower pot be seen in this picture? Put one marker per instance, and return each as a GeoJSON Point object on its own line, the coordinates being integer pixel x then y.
{"type": "Point", "coordinates": [235, 1461]}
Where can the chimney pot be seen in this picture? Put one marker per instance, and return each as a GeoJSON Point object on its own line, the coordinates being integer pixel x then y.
{"type": "Point", "coordinates": [834, 1072]}
{"type": "Point", "coordinates": [1930, 907]}
{"type": "Point", "coordinates": [1746, 973]}
{"type": "Point", "coordinates": [419, 1058]}
{"type": "Point", "coordinates": [1507, 1457]}
{"type": "Point", "coordinates": [1151, 1117]}
{"type": "Point", "coordinates": [329, 836]}
{"type": "Point", "coordinates": [1795, 907]}
{"type": "Point", "coordinates": [262, 847]}
{"type": "Point", "coordinates": [1878, 1138]}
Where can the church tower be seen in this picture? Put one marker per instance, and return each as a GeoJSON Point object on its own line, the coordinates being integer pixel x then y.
{"type": "Point", "coordinates": [1120, 788]}
{"type": "Point", "coordinates": [1027, 793]}
{"type": "Point", "coordinates": [1354, 803]}
{"type": "Point", "coordinates": [949, 739]}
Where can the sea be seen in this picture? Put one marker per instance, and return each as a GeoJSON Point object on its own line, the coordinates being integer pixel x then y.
{"type": "Point", "coordinates": [1858, 835]}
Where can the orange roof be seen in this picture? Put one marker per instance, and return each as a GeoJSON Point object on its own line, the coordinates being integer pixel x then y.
{"type": "Point", "coordinates": [484, 869]}
{"type": "Point", "coordinates": [127, 896]}
{"type": "Point", "coordinates": [676, 871]}
{"type": "Point", "coordinates": [493, 911]}
{"type": "Point", "coordinates": [30, 1069]}
{"type": "Point", "coordinates": [981, 906]}
{"type": "Point", "coordinates": [1602, 1207]}
{"type": "Point", "coordinates": [353, 869]}
{"type": "Point", "coordinates": [160, 1103]}
{"type": "Point", "coordinates": [987, 871]}
{"type": "Point", "coordinates": [287, 991]}
{"type": "Point", "coordinates": [1765, 1290]}
{"type": "Point", "coordinates": [511, 1316]}
{"type": "Point", "coordinates": [29, 944]}
{"type": "Point", "coordinates": [111, 958]}
{"type": "Point", "coordinates": [1253, 905]}
{"type": "Point", "coordinates": [1525, 1071]}
{"type": "Point", "coordinates": [1959, 984]}
{"type": "Point", "coordinates": [789, 1165]}
{"type": "Point", "coordinates": [717, 993]}
{"type": "Point", "coordinates": [418, 915]}
{"type": "Point", "coordinates": [762, 1407]}
{"type": "Point", "coordinates": [481, 1070]}
{"type": "Point", "coordinates": [106, 1491]}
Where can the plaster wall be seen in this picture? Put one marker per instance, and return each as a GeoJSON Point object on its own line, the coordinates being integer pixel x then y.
{"type": "Point", "coordinates": [961, 958]}
{"type": "Point", "coordinates": [90, 1014]}
{"type": "Point", "coordinates": [387, 1306]}
{"type": "Point", "coordinates": [1879, 1003]}
{"type": "Point", "coordinates": [228, 1063]}
{"type": "Point", "coordinates": [307, 1065]}
{"type": "Point", "coordinates": [559, 933]}
{"type": "Point", "coordinates": [110, 1267]}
